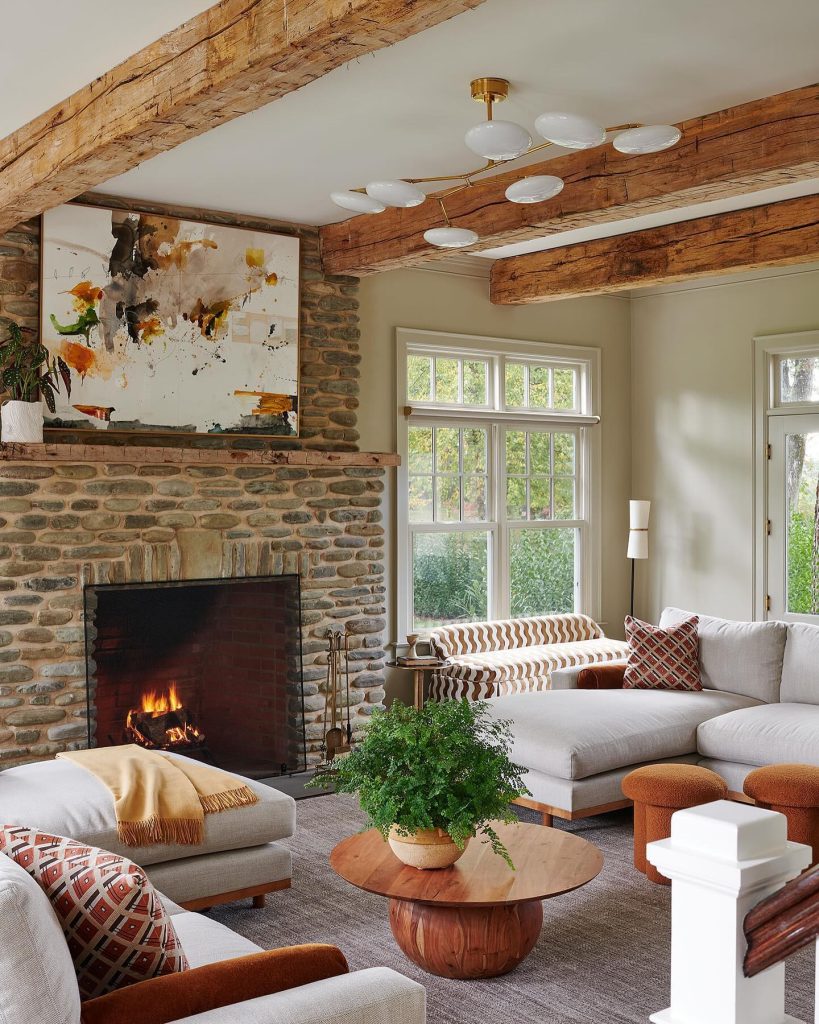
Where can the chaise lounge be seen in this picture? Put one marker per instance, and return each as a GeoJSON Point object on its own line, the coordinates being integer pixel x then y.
{"type": "Point", "coordinates": [759, 705]}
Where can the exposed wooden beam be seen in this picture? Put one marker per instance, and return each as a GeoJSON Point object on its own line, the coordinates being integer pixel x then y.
{"type": "Point", "coordinates": [772, 235]}
{"type": "Point", "coordinates": [229, 60]}
{"type": "Point", "coordinates": [742, 149]}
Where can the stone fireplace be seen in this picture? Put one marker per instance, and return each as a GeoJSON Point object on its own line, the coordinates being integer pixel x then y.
{"type": "Point", "coordinates": [80, 519]}
{"type": "Point", "coordinates": [207, 668]}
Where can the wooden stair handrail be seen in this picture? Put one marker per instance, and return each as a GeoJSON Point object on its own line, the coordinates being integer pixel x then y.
{"type": "Point", "coordinates": [783, 923]}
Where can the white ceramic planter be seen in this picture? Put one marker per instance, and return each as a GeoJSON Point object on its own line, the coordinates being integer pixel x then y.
{"type": "Point", "coordinates": [21, 422]}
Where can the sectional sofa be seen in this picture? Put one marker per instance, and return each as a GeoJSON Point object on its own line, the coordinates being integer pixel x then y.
{"type": "Point", "coordinates": [759, 705]}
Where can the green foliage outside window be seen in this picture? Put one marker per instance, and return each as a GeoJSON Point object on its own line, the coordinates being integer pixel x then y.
{"type": "Point", "coordinates": [541, 571]}
{"type": "Point", "coordinates": [449, 578]}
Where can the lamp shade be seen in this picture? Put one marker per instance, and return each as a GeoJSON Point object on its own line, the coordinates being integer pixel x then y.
{"type": "Point", "coordinates": [534, 189]}
{"type": "Point", "coordinates": [498, 140]}
{"type": "Point", "coordinates": [637, 544]}
{"type": "Point", "coordinates": [638, 513]}
{"type": "Point", "coordinates": [649, 138]}
{"type": "Point", "coordinates": [451, 238]}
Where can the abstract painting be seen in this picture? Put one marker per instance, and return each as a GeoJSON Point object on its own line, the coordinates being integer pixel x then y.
{"type": "Point", "coordinates": [171, 325]}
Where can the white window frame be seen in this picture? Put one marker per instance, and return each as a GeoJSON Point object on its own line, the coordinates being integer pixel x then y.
{"type": "Point", "coordinates": [768, 351]}
{"type": "Point", "coordinates": [584, 422]}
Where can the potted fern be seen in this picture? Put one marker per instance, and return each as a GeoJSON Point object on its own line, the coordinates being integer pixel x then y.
{"type": "Point", "coordinates": [430, 779]}
{"type": "Point", "coordinates": [29, 374]}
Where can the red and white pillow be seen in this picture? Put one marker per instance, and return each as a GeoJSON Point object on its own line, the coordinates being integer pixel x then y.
{"type": "Point", "coordinates": [663, 659]}
{"type": "Point", "coordinates": [117, 930]}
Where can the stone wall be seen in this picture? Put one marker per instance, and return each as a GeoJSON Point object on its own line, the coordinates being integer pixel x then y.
{"type": "Point", "coordinates": [66, 524]}
{"type": "Point", "coordinates": [63, 524]}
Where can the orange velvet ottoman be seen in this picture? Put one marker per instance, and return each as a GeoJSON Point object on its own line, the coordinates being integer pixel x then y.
{"type": "Point", "coordinates": [657, 791]}
{"type": "Point", "coordinates": [793, 790]}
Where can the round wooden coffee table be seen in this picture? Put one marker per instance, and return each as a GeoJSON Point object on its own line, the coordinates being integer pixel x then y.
{"type": "Point", "coordinates": [478, 918]}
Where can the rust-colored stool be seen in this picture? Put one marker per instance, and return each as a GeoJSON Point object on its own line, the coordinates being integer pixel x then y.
{"type": "Point", "coordinates": [657, 791]}
{"type": "Point", "coordinates": [793, 790]}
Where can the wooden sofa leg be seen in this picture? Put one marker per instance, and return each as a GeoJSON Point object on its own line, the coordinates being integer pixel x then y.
{"type": "Point", "coordinates": [547, 819]}
{"type": "Point", "coordinates": [259, 901]}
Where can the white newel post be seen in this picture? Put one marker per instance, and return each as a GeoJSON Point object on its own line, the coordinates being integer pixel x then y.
{"type": "Point", "coordinates": [722, 859]}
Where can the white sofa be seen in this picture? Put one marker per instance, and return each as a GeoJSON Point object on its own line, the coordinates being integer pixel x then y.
{"type": "Point", "coordinates": [241, 854]}
{"type": "Point", "coordinates": [759, 705]}
{"type": "Point", "coordinates": [38, 983]}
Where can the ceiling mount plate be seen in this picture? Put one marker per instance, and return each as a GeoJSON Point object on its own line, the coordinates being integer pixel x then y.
{"type": "Point", "coordinates": [489, 90]}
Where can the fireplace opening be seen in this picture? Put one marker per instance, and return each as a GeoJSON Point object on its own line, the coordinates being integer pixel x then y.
{"type": "Point", "coordinates": [207, 668]}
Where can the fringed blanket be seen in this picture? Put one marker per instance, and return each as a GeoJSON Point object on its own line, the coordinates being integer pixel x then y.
{"type": "Point", "coordinates": [159, 798]}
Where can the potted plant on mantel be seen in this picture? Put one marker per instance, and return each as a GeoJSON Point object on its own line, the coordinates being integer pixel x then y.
{"type": "Point", "coordinates": [29, 374]}
{"type": "Point", "coordinates": [430, 779]}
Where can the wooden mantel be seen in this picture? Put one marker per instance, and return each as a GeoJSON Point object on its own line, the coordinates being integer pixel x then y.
{"type": "Point", "coordinates": [142, 455]}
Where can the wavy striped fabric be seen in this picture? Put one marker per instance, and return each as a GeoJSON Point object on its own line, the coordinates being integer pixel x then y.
{"type": "Point", "coordinates": [509, 634]}
{"type": "Point", "coordinates": [521, 661]}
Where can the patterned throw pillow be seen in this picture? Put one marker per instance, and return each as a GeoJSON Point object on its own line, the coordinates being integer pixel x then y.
{"type": "Point", "coordinates": [117, 930]}
{"type": "Point", "coordinates": [662, 659]}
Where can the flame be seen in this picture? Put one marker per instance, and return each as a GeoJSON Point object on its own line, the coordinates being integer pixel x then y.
{"type": "Point", "coordinates": [161, 703]}
{"type": "Point", "coordinates": [157, 703]}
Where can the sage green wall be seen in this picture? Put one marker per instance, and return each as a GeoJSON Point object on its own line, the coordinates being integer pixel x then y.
{"type": "Point", "coordinates": [692, 392]}
{"type": "Point", "coordinates": [459, 304]}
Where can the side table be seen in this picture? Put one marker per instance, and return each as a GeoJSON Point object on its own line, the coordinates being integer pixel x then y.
{"type": "Point", "coordinates": [418, 668]}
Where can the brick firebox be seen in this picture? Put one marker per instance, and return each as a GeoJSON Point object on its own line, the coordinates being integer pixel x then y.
{"type": "Point", "coordinates": [72, 515]}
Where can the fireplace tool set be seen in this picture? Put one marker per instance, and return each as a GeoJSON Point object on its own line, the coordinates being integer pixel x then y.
{"type": "Point", "coordinates": [337, 739]}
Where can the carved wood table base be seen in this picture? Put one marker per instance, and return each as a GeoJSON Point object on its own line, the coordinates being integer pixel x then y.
{"type": "Point", "coordinates": [478, 918]}
{"type": "Point", "coordinates": [466, 942]}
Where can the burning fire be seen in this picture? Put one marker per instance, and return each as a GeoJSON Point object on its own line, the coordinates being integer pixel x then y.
{"type": "Point", "coordinates": [163, 722]}
{"type": "Point", "coordinates": [161, 703]}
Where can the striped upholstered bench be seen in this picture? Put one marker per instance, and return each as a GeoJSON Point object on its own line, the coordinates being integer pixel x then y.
{"type": "Point", "coordinates": [490, 659]}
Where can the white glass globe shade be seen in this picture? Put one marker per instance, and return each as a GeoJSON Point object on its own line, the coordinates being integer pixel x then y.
{"type": "Point", "coordinates": [651, 138]}
{"type": "Point", "coordinates": [396, 193]}
{"type": "Point", "coordinates": [357, 202]}
{"type": "Point", "coordinates": [450, 238]}
{"type": "Point", "coordinates": [570, 130]}
{"type": "Point", "coordinates": [498, 140]}
{"type": "Point", "coordinates": [535, 189]}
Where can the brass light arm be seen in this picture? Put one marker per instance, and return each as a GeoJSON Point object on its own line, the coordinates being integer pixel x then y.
{"type": "Point", "coordinates": [490, 165]}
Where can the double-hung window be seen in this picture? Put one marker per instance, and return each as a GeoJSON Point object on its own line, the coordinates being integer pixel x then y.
{"type": "Point", "coordinates": [496, 487]}
{"type": "Point", "coordinates": [787, 476]}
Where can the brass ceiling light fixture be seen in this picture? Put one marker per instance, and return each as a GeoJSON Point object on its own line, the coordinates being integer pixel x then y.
{"type": "Point", "coordinates": [499, 143]}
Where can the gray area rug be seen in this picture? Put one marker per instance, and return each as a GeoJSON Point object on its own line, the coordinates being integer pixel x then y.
{"type": "Point", "coordinates": [602, 957]}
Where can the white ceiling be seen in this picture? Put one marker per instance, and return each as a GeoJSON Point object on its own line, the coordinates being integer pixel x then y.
{"type": "Point", "coordinates": [403, 111]}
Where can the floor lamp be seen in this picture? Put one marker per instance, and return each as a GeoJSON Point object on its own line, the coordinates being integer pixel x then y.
{"type": "Point", "coordinates": [638, 513]}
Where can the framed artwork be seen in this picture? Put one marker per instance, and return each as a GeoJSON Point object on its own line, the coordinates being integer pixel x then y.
{"type": "Point", "coordinates": [170, 325]}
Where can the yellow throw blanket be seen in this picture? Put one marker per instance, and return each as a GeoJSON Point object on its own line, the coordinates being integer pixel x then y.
{"type": "Point", "coordinates": [159, 798]}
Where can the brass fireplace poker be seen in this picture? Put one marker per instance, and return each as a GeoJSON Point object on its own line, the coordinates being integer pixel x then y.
{"type": "Point", "coordinates": [337, 739]}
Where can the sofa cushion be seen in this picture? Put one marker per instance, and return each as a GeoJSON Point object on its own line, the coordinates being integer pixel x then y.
{"type": "Point", "coordinates": [38, 795]}
{"type": "Point", "coordinates": [766, 734]}
{"type": "Point", "coordinates": [206, 941]}
{"type": "Point", "coordinates": [577, 733]}
{"type": "Point", "coordinates": [662, 659]}
{"type": "Point", "coordinates": [37, 980]}
{"type": "Point", "coordinates": [507, 634]}
{"type": "Point", "coordinates": [114, 922]}
{"type": "Point", "coordinates": [739, 657]}
{"type": "Point", "coordinates": [800, 667]}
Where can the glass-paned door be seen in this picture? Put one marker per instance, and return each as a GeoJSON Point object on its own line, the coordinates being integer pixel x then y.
{"type": "Point", "coordinates": [793, 518]}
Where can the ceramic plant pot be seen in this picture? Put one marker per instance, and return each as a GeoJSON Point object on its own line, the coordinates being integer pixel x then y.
{"type": "Point", "coordinates": [425, 849]}
{"type": "Point", "coordinates": [21, 422]}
